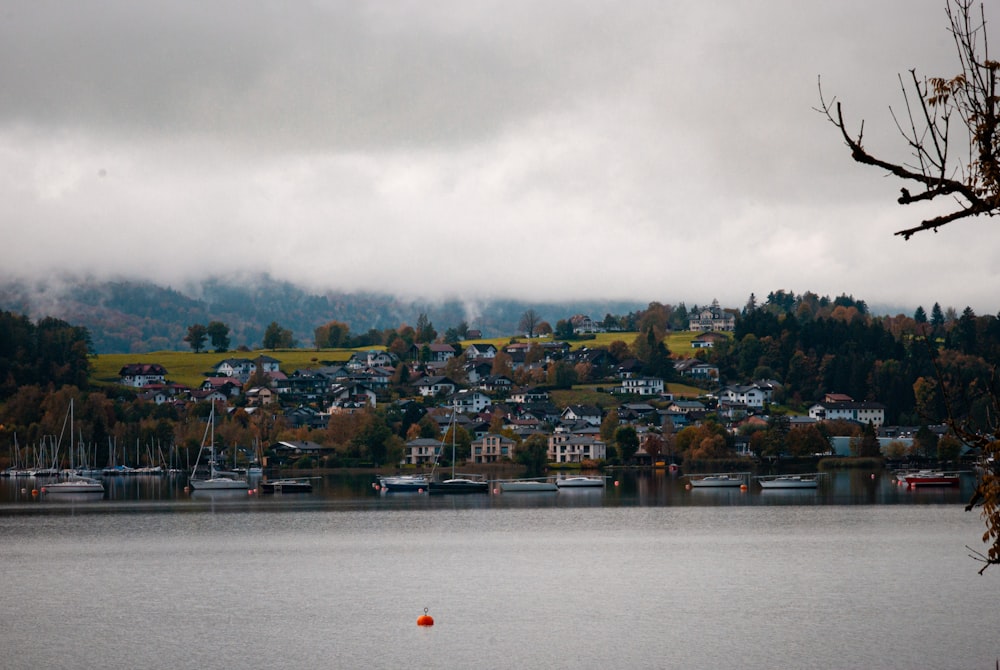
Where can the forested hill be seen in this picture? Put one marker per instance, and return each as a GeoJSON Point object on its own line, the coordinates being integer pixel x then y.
{"type": "Point", "coordinates": [127, 316]}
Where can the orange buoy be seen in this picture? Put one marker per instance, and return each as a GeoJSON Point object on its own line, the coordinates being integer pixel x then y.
{"type": "Point", "coordinates": [425, 619]}
{"type": "Point", "coordinates": [34, 492]}
{"type": "Point", "coordinates": [743, 487]}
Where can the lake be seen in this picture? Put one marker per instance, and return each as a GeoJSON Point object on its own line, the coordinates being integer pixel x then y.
{"type": "Point", "coordinates": [646, 574]}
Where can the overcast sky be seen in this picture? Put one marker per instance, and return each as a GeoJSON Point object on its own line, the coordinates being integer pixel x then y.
{"type": "Point", "coordinates": [537, 150]}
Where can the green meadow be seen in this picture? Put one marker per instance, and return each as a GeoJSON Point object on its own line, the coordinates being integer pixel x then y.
{"type": "Point", "coordinates": [190, 369]}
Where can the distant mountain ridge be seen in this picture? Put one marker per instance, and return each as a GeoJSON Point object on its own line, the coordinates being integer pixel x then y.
{"type": "Point", "coordinates": [135, 316]}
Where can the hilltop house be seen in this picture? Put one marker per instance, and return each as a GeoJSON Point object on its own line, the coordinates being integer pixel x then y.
{"type": "Point", "coordinates": [435, 385]}
{"type": "Point", "coordinates": [712, 318]}
{"type": "Point", "coordinates": [141, 375]}
{"type": "Point", "coordinates": [244, 368]}
{"type": "Point", "coordinates": [585, 413]}
{"type": "Point", "coordinates": [640, 386]}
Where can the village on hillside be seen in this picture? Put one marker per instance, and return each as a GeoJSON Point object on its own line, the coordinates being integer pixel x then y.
{"type": "Point", "coordinates": [471, 386]}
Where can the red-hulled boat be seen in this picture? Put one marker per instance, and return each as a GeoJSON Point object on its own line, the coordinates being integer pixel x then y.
{"type": "Point", "coordinates": [928, 478]}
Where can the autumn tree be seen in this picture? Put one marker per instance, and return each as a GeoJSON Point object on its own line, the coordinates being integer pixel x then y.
{"type": "Point", "coordinates": [333, 335]}
{"type": "Point", "coordinates": [949, 125]}
{"type": "Point", "coordinates": [529, 322]}
{"type": "Point", "coordinates": [653, 445]}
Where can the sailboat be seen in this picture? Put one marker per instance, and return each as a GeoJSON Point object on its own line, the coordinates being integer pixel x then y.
{"type": "Point", "coordinates": [74, 483]}
{"type": "Point", "coordinates": [215, 481]}
{"type": "Point", "coordinates": [457, 484]}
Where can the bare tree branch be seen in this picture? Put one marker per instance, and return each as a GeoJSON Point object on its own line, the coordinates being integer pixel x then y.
{"type": "Point", "coordinates": [928, 131]}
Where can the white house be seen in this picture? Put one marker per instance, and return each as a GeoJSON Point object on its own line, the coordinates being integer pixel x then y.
{"type": "Point", "coordinates": [481, 350]}
{"type": "Point", "coordinates": [435, 385]}
{"type": "Point", "coordinates": [712, 318]}
{"type": "Point", "coordinates": [750, 395]}
{"type": "Point", "coordinates": [140, 375]}
{"type": "Point", "coordinates": [640, 386]}
{"type": "Point", "coordinates": [861, 412]}
{"type": "Point", "coordinates": [529, 395]}
{"type": "Point", "coordinates": [469, 401]}
{"type": "Point", "coordinates": [586, 413]}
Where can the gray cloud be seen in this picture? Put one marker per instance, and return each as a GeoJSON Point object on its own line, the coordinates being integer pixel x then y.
{"type": "Point", "coordinates": [664, 151]}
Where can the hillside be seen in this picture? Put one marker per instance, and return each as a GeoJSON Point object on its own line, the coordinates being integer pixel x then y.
{"type": "Point", "coordinates": [125, 316]}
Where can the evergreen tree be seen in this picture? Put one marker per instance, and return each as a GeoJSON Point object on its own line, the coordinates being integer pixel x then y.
{"type": "Point", "coordinates": [218, 333]}
{"type": "Point", "coordinates": [196, 336]}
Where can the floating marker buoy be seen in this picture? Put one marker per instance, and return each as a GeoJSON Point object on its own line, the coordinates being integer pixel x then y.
{"type": "Point", "coordinates": [616, 482]}
{"type": "Point", "coordinates": [495, 490]}
{"type": "Point", "coordinates": [187, 489]}
{"type": "Point", "coordinates": [425, 619]}
{"type": "Point", "coordinates": [687, 487]}
{"type": "Point", "coordinates": [34, 492]}
{"type": "Point", "coordinates": [743, 487]}
{"type": "Point", "coordinates": [249, 492]}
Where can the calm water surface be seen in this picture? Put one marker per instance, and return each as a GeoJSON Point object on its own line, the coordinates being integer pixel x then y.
{"type": "Point", "coordinates": [860, 574]}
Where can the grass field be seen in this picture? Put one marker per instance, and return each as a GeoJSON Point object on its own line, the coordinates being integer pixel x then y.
{"type": "Point", "coordinates": [189, 368]}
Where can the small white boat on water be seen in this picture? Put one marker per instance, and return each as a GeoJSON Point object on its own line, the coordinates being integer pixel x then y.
{"type": "Point", "coordinates": [789, 482]}
{"type": "Point", "coordinates": [215, 481]}
{"type": "Point", "coordinates": [74, 484]}
{"type": "Point", "coordinates": [717, 481]}
{"type": "Point", "coordinates": [527, 485]}
{"type": "Point", "coordinates": [580, 482]}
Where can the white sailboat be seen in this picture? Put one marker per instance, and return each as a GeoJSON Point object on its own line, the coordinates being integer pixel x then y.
{"type": "Point", "coordinates": [457, 484]}
{"type": "Point", "coordinates": [215, 481]}
{"type": "Point", "coordinates": [74, 483]}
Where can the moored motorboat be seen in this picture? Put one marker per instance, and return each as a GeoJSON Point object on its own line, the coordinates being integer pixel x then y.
{"type": "Point", "coordinates": [789, 482]}
{"type": "Point", "coordinates": [928, 478]}
{"type": "Point", "coordinates": [580, 482]}
{"type": "Point", "coordinates": [74, 484]}
{"type": "Point", "coordinates": [717, 481]}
